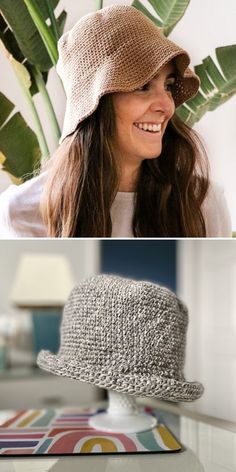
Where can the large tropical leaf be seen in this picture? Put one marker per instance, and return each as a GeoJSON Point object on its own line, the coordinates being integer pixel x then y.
{"type": "Point", "coordinates": [13, 49]}
{"type": "Point", "coordinates": [24, 80]}
{"type": "Point", "coordinates": [9, 40]}
{"type": "Point", "coordinates": [218, 84]}
{"type": "Point", "coordinates": [19, 149]}
{"type": "Point", "coordinates": [25, 32]}
{"type": "Point", "coordinates": [169, 12]}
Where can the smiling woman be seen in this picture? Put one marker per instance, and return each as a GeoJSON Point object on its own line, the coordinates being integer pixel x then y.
{"type": "Point", "coordinates": [126, 166]}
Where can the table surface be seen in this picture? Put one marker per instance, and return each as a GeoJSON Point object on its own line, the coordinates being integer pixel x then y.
{"type": "Point", "coordinates": [209, 445]}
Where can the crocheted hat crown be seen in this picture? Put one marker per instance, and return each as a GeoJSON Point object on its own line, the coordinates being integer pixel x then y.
{"type": "Point", "coordinates": [116, 49]}
{"type": "Point", "coordinates": [124, 335]}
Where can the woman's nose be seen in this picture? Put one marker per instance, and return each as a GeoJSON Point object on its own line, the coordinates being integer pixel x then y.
{"type": "Point", "coordinates": [162, 101]}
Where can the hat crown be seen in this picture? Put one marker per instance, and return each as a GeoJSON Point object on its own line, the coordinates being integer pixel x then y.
{"type": "Point", "coordinates": [112, 27]}
{"type": "Point", "coordinates": [125, 326]}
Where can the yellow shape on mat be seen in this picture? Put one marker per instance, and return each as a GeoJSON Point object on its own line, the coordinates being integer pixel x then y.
{"type": "Point", "coordinates": [106, 445]}
{"type": "Point", "coordinates": [28, 419]}
{"type": "Point", "coordinates": [168, 439]}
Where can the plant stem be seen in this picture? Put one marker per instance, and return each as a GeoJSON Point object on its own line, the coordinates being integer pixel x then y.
{"type": "Point", "coordinates": [99, 4]}
{"type": "Point", "coordinates": [48, 104]}
{"type": "Point", "coordinates": [44, 31]}
{"type": "Point", "coordinates": [38, 127]}
{"type": "Point", "coordinates": [53, 20]}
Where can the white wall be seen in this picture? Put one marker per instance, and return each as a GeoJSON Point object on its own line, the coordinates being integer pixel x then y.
{"type": "Point", "coordinates": [206, 282]}
{"type": "Point", "coordinates": [206, 25]}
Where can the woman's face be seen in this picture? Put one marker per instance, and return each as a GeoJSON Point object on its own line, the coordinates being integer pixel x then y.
{"type": "Point", "coordinates": [142, 117]}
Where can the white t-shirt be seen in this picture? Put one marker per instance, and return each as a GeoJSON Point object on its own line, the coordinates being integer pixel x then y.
{"type": "Point", "coordinates": [20, 216]}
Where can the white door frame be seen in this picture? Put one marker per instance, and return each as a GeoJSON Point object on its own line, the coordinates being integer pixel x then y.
{"type": "Point", "coordinates": [206, 275]}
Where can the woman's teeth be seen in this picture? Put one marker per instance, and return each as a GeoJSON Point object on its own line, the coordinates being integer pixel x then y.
{"type": "Point", "coordinates": [148, 127]}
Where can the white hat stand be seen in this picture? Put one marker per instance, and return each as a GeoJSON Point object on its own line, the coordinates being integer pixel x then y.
{"type": "Point", "coordinates": [122, 416]}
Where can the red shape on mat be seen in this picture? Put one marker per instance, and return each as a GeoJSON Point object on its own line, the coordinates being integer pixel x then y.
{"type": "Point", "coordinates": [18, 451]}
{"type": "Point", "coordinates": [67, 443]}
{"type": "Point", "coordinates": [68, 429]}
{"type": "Point", "coordinates": [21, 436]}
{"type": "Point", "coordinates": [12, 420]}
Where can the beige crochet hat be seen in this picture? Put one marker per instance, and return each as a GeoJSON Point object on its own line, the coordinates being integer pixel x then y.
{"type": "Point", "coordinates": [116, 49]}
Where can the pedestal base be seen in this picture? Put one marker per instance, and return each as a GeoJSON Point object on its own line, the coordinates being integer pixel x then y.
{"type": "Point", "coordinates": [122, 416]}
{"type": "Point", "coordinates": [127, 424]}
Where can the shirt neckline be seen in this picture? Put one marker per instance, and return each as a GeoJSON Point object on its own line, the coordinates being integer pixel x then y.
{"type": "Point", "coordinates": [125, 194]}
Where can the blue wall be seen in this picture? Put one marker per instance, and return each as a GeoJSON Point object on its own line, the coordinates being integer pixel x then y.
{"type": "Point", "coordinates": [153, 260]}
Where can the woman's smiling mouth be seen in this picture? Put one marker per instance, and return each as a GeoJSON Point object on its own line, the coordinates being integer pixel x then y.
{"type": "Point", "coordinates": [149, 127]}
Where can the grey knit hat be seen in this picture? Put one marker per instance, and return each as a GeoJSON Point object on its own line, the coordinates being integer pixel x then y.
{"type": "Point", "coordinates": [116, 49]}
{"type": "Point", "coordinates": [124, 335]}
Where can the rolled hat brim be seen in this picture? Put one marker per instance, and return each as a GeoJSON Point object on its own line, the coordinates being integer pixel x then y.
{"type": "Point", "coordinates": [132, 384]}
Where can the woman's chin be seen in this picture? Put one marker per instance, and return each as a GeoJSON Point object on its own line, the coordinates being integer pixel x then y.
{"type": "Point", "coordinates": [152, 152]}
{"type": "Point", "coordinates": [152, 156]}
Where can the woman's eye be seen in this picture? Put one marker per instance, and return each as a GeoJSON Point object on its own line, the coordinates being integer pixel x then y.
{"type": "Point", "coordinates": [143, 88]}
{"type": "Point", "coordinates": [170, 86]}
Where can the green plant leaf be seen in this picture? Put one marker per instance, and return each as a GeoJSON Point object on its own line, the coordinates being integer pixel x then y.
{"type": "Point", "coordinates": [25, 32]}
{"type": "Point", "coordinates": [18, 143]}
{"type": "Point", "coordinates": [45, 32]}
{"type": "Point", "coordinates": [169, 12]}
{"type": "Point", "coordinates": [61, 21]}
{"type": "Point", "coordinates": [226, 57]}
{"type": "Point", "coordinates": [13, 49]}
{"type": "Point", "coordinates": [218, 85]}
{"type": "Point", "coordinates": [9, 40]}
{"type": "Point", "coordinates": [24, 80]}
{"type": "Point", "coordinates": [6, 109]}
{"type": "Point", "coordinates": [139, 6]}
{"type": "Point", "coordinates": [43, 6]}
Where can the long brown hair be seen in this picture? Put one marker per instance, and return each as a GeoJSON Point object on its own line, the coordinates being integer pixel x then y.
{"type": "Point", "coordinates": [84, 179]}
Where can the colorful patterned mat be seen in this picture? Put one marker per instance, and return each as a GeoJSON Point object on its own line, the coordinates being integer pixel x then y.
{"type": "Point", "coordinates": [67, 431]}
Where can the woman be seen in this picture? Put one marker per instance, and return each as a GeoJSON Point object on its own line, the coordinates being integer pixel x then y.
{"type": "Point", "coordinates": [127, 166]}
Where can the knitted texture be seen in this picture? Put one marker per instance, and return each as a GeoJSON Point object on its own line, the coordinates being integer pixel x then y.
{"type": "Point", "coordinates": [116, 49]}
{"type": "Point", "coordinates": [124, 335]}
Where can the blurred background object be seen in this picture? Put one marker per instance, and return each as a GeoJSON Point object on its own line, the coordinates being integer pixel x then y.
{"type": "Point", "coordinates": [9, 328]}
{"type": "Point", "coordinates": [42, 284]}
{"type": "Point", "coordinates": [35, 279]}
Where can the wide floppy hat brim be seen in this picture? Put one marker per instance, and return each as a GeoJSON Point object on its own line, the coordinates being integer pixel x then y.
{"type": "Point", "coordinates": [117, 75]}
{"type": "Point", "coordinates": [133, 384]}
